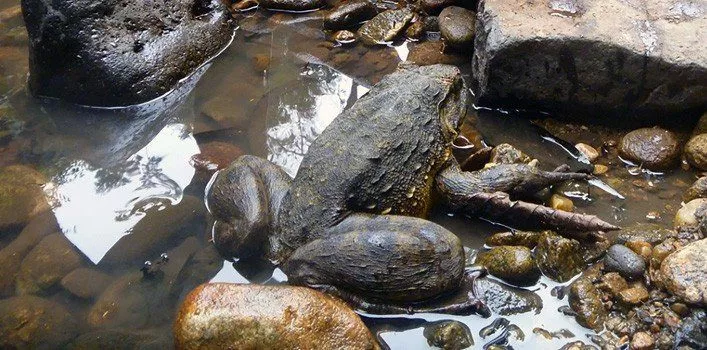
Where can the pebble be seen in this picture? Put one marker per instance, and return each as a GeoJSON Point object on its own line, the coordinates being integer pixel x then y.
{"type": "Point", "coordinates": [349, 13]}
{"type": "Point", "coordinates": [344, 37]}
{"type": "Point", "coordinates": [508, 154]}
{"type": "Point", "coordinates": [642, 341]}
{"type": "Point", "coordinates": [385, 27]}
{"type": "Point", "coordinates": [588, 151]}
{"type": "Point", "coordinates": [644, 249]}
{"type": "Point", "coordinates": [696, 151]}
{"type": "Point", "coordinates": [458, 26]}
{"type": "Point", "coordinates": [506, 300]}
{"type": "Point", "coordinates": [514, 264]}
{"type": "Point", "coordinates": [292, 5]}
{"type": "Point", "coordinates": [434, 7]}
{"type": "Point", "coordinates": [560, 202]}
{"type": "Point", "coordinates": [585, 299]}
{"type": "Point", "coordinates": [448, 335]}
{"type": "Point", "coordinates": [654, 148]}
{"type": "Point", "coordinates": [613, 283]}
{"type": "Point", "coordinates": [600, 169]}
{"type": "Point", "coordinates": [522, 238]}
{"type": "Point", "coordinates": [697, 190]}
{"type": "Point", "coordinates": [685, 216]}
{"type": "Point", "coordinates": [634, 295]}
{"type": "Point", "coordinates": [558, 258]}
{"type": "Point", "coordinates": [416, 30]}
{"type": "Point", "coordinates": [47, 263]}
{"type": "Point", "coordinates": [222, 315]}
{"type": "Point", "coordinates": [623, 260]}
{"type": "Point", "coordinates": [684, 272]}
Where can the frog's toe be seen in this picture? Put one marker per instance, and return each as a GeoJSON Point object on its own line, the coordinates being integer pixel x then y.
{"type": "Point", "coordinates": [245, 199]}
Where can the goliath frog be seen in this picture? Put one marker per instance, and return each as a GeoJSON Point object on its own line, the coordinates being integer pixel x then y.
{"type": "Point", "coordinates": [352, 221]}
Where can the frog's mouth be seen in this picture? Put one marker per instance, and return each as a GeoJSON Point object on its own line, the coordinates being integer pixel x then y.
{"type": "Point", "coordinates": [452, 109]}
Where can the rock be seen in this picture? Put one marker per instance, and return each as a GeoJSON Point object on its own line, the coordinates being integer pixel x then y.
{"type": "Point", "coordinates": [45, 265]}
{"type": "Point", "coordinates": [214, 156]}
{"type": "Point", "coordinates": [693, 331]}
{"type": "Point", "coordinates": [292, 5]}
{"type": "Point", "coordinates": [560, 202]}
{"type": "Point", "coordinates": [457, 26]}
{"type": "Point", "coordinates": [416, 30]}
{"type": "Point", "coordinates": [21, 196]}
{"type": "Point", "coordinates": [344, 37]}
{"type": "Point", "coordinates": [200, 268]}
{"type": "Point", "coordinates": [623, 260]}
{"type": "Point", "coordinates": [634, 295]}
{"type": "Point", "coordinates": [506, 300]}
{"type": "Point", "coordinates": [448, 335]}
{"type": "Point", "coordinates": [697, 190]}
{"type": "Point", "coordinates": [431, 52]}
{"type": "Point", "coordinates": [222, 315]}
{"type": "Point", "coordinates": [244, 5]}
{"type": "Point", "coordinates": [566, 56]}
{"type": "Point", "coordinates": [507, 154]}
{"type": "Point", "coordinates": [613, 283]}
{"type": "Point", "coordinates": [588, 151]}
{"type": "Point", "coordinates": [685, 217]}
{"type": "Point", "coordinates": [29, 322]}
{"type": "Point", "coordinates": [559, 258]}
{"type": "Point", "coordinates": [644, 249]}
{"type": "Point", "coordinates": [585, 299]}
{"type": "Point", "coordinates": [11, 256]}
{"type": "Point", "coordinates": [385, 27]}
{"type": "Point", "coordinates": [696, 151]}
{"type": "Point", "coordinates": [643, 232]}
{"type": "Point", "coordinates": [642, 341]}
{"type": "Point", "coordinates": [111, 53]}
{"type": "Point", "coordinates": [684, 273]}
{"type": "Point", "coordinates": [654, 148]}
{"type": "Point", "coordinates": [148, 237]}
{"type": "Point", "coordinates": [113, 339]}
{"type": "Point", "coordinates": [86, 283]}
{"type": "Point", "coordinates": [514, 264]}
{"type": "Point", "coordinates": [349, 13]}
{"type": "Point", "coordinates": [522, 238]}
{"type": "Point", "coordinates": [600, 169]}
{"type": "Point", "coordinates": [434, 7]}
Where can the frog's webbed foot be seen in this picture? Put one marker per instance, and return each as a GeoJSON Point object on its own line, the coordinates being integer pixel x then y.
{"type": "Point", "coordinates": [462, 192]}
{"type": "Point", "coordinates": [245, 200]}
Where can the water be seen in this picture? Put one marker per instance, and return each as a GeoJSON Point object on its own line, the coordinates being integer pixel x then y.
{"type": "Point", "coordinates": [123, 188]}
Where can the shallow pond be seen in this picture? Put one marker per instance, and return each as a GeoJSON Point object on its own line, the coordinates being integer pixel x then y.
{"type": "Point", "coordinates": [124, 185]}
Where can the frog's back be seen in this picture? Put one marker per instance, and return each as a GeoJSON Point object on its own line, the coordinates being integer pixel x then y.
{"type": "Point", "coordinates": [377, 157]}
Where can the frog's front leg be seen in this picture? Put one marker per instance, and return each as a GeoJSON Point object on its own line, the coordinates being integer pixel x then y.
{"type": "Point", "coordinates": [385, 264]}
{"type": "Point", "coordinates": [483, 193]}
{"type": "Point", "coordinates": [245, 200]}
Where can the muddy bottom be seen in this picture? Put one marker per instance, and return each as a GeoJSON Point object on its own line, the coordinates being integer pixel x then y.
{"type": "Point", "coordinates": [126, 186]}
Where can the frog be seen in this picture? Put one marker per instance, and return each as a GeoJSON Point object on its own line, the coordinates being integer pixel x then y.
{"type": "Point", "coordinates": [353, 221]}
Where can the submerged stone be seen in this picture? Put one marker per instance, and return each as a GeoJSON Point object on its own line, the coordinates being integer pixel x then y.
{"type": "Point", "coordinates": [86, 282]}
{"type": "Point", "coordinates": [50, 260]}
{"type": "Point", "coordinates": [21, 196]}
{"type": "Point", "coordinates": [514, 264]}
{"type": "Point", "coordinates": [586, 300]}
{"type": "Point", "coordinates": [112, 53]}
{"type": "Point", "coordinates": [349, 13]}
{"type": "Point", "coordinates": [29, 322]}
{"type": "Point", "coordinates": [566, 56]}
{"type": "Point", "coordinates": [221, 315]}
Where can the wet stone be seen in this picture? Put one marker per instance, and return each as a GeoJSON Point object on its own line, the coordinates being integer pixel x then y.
{"type": "Point", "coordinates": [696, 151]}
{"type": "Point", "coordinates": [560, 202]}
{"type": "Point", "coordinates": [29, 322]}
{"type": "Point", "coordinates": [613, 283]}
{"type": "Point", "coordinates": [449, 335]}
{"type": "Point", "coordinates": [517, 238]}
{"type": "Point", "coordinates": [21, 196]}
{"type": "Point", "coordinates": [643, 232]}
{"type": "Point", "coordinates": [686, 215]}
{"type": "Point", "coordinates": [588, 151]}
{"type": "Point", "coordinates": [505, 300]}
{"type": "Point", "coordinates": [86, 282]}
{"type": "Point", "coordinates": [514, 264]}
{"type": "Point", "coordinates": [697, 190]}
{"type": "Point", "coordinates": [508, 154]}
{"type": "Point", "coordinates": [113, 339]}
{"type": "Point", "coordinates": [693, 331]}
{"type": "Point", "coordinates": [684, 273]}
{"type": "Point", "coordinates": [585, 299]}
{"type": "Point", "coordinates": [214, 156]}
{"type": "Point", "coordinates": [344, 37]}
{"type": "Point", "coordinates": [642, 341]}
{"type": "Point", "coordinates": [623, 260]}
{"type": "Point", "coordinates": [432, 52]}
{"type": "Point", "coordinates": [50, 260]}
{"type": "Point", "coordinates": [416, 30]}
{"type": "Point", "coordinates": [654, 148]}
{"type": "Point", "coordinates": [434, 7]}
{"type": "Point", "coordinates": [223, 315]}
{"type": "Point", "coordinates": [292, 5]}
{"type": "Point", "coordinates": [457, 26]}
{"type": "Point", "coordinates": [644, 249]}
{"type": "Point", "coordinates": [559, 258]}
{"type": "Point", "coordinates": [634, 295]}
{"type": "Point", "coordinates": [349, 13]}
{"type": "Point", "coordinates": [385, 27]}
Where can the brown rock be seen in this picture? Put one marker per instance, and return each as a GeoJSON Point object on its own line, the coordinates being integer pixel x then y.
{"type": "Point", "coordinates": [685, 217]}
{"type": "Point", "coordinates": [514, 264]}
{"type": "Point", "coordinates": [697, 190]}
{"type": "Point", "coordinates": [685, 274]}
{"type": "Point", "coordinates": [221, 315]}
{"type": "Point", "coordinates": [29, 322]}
{"type": "Point", "coordinates": [613, 283]}
{"type": "Point", "coordinates": [524, 238]}
{"type": "Point", "coordinates": [588, 151]}
{"type": "Point", "coordinates": [559, 258]}
{"type": "Point", "coordinates": [696, 151]}
{"type": "Point", "coordinates": [644, 249]}
{"type": "Point", "coordinates": [86, 282]}
{"type": "Point", "coordinates": [214, 156]}
{"type": "Point", "coordinates": [21, 195]}
{"type": "Point", "coordinates": [634, 295]}
{"type": "Point", "coordinates": [585, 299]}
{"type": "Point", "coordinates": [642, 341]}
{"type": "Point", "coordinates": [52, 259]}
{"type": "Point", "coordinates": [654, 148]}
{"type": "Point", "coordinates": [432, 52]}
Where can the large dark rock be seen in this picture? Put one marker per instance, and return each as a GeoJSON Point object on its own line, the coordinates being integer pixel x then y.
{"type": "Point", "coordinates": [598, 58]}
{"type": "Point", "coordinates": [110, 52]}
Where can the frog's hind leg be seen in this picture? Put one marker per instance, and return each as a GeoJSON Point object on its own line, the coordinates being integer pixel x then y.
{"type": "Point", "coordinates": [385, 264]}
{"type": "Point", "coordinates": [472, 193]}
{"type": "Point", "coordinates": [245, 200]}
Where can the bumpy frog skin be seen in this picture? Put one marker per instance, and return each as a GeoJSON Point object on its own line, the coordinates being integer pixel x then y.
{"type": "Point", "coordinates": [352, 221]}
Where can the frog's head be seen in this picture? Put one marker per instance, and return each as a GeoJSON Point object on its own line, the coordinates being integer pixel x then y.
{"type": "Point", "coordinates": [449, 94]}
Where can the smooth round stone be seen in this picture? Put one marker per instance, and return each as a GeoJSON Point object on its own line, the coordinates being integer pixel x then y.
{"type": "Point", "coordinates": [697, 190]}
{"type": "Point", "coordinates": [686, 215]}
{"type": "Point", "coordinates": [292, 5]}
{"type": "Point", "coordinates": [623, 260]}
{"type": "Point", "coordinates": [448, 335]}
{"type": "Point", "coordinates": [654, 148]}
{"type": "Point", "coordinates": [29, 322]}
{"type": "Point", "coordinates": [434, 7]}
{"type": "Point", "coordinates": [696, 151]}
{"type": "Point", "coordinates": [514, 264]}
{"type": "Point", "coordinates": [559, 258]}
{"type": "Point", "coordinates": [458, 26]}
{"type": "Point", "coordinates": [45, 265]}
{"type": "Point", "coordinates": [349, 13]}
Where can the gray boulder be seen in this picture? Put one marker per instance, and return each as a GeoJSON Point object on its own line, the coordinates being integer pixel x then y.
{"type": "Point", "coordinates": [113, 53]}
{"type": "Point", "coordinates": [642, 59]}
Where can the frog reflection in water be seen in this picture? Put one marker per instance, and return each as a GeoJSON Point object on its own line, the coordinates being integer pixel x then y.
{"type": "Point", "coordinates": [351, 222]}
